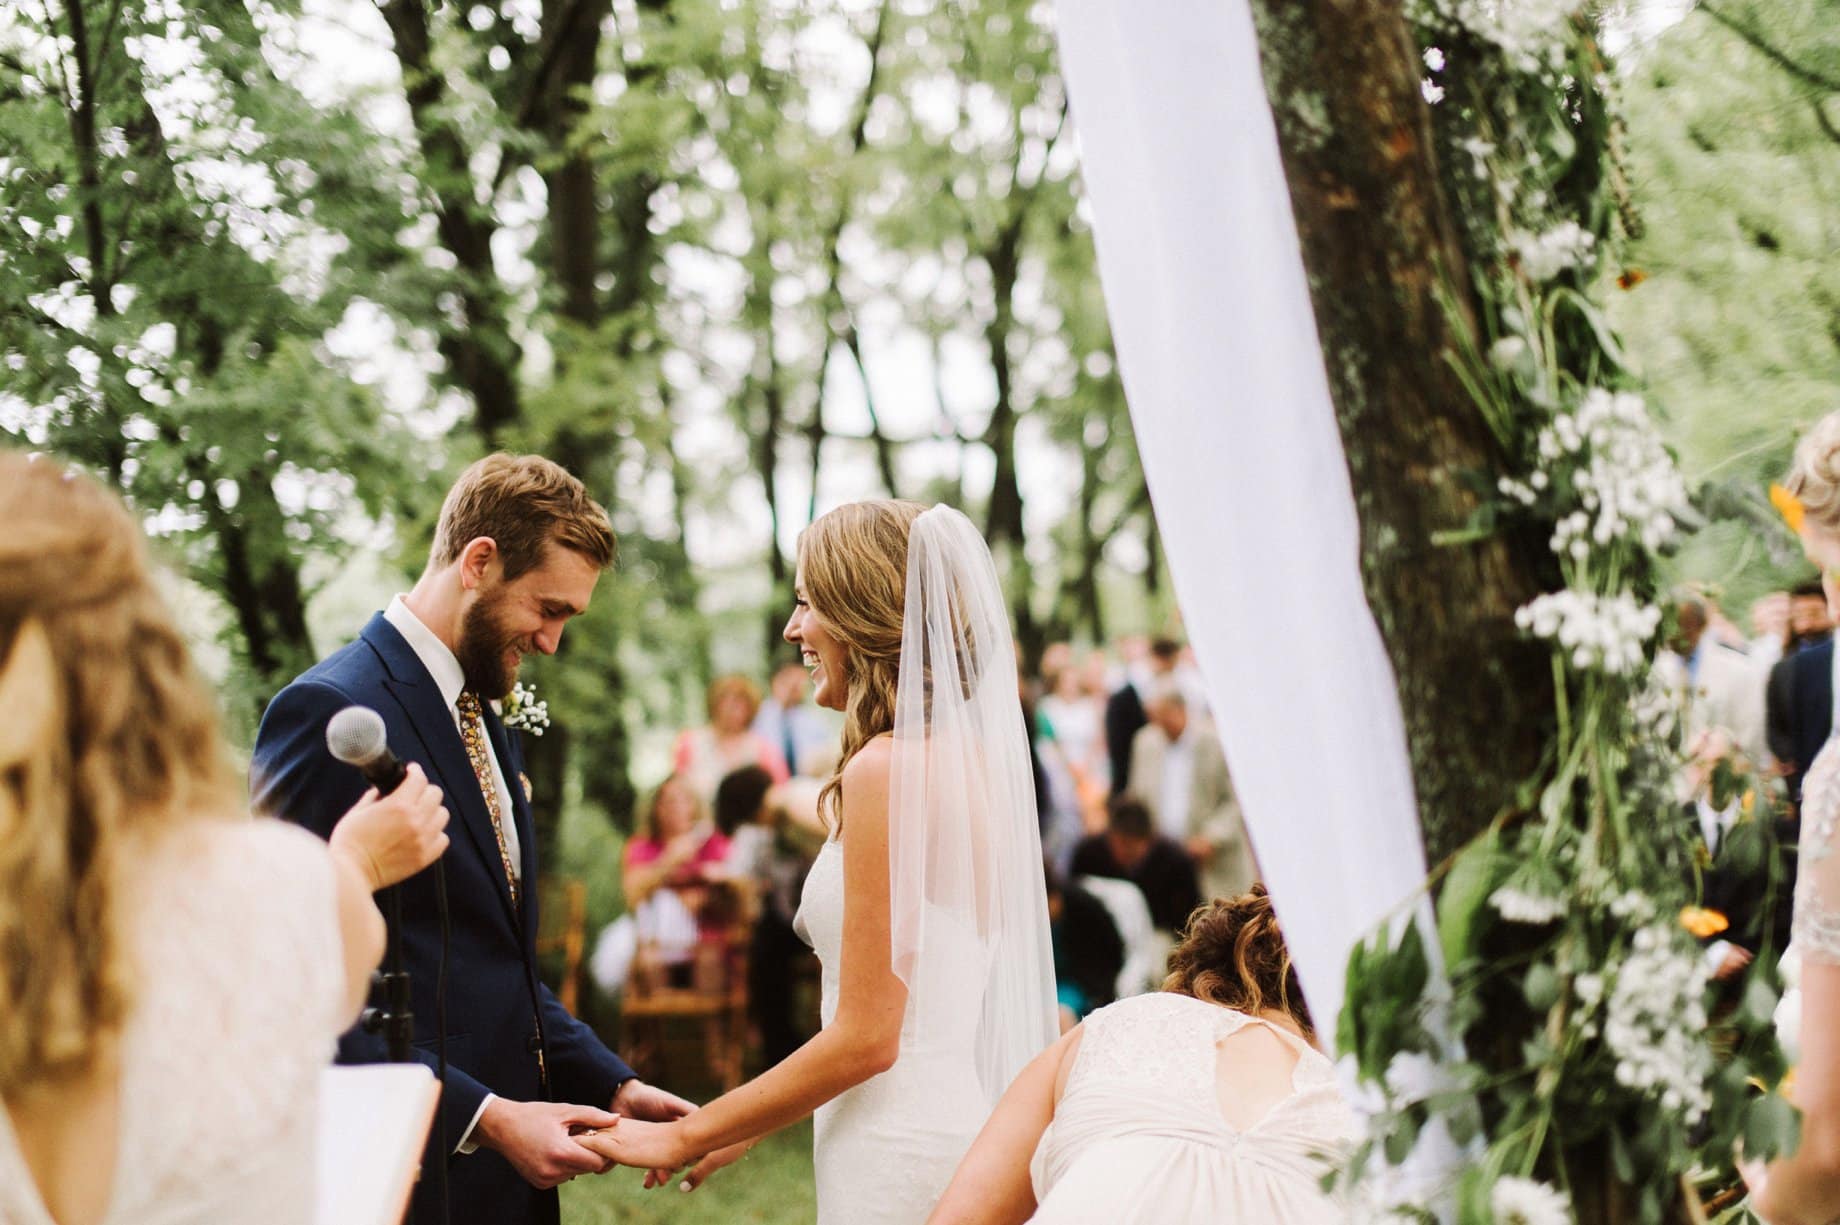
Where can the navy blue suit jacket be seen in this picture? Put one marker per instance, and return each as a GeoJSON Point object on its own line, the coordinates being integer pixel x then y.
{"type": "Point", "coordinates": [498, 1013]}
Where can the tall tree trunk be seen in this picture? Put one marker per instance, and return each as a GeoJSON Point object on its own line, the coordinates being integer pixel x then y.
{"type": "Point", "coordinates": [478, 348]}
{"type": "Point", "coordinates": [1380, 250]}
{"type": "Point", "coordinates": [1003, 521]}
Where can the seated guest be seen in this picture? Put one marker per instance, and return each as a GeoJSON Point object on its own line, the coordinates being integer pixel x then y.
{"type": "Point", "coordinates": [1203, 1103]}
{"type": "Point", "coordinates": [1130, 849]}
{"type": "Point", "coordinates": [1088, 953]}
{"type": "Point", "coordinates": [666, 872]}
{"type": "Point", "coordinates": [772, 859]}
{"type": "Point", "coordinates": [704, 756]}
{"type": "Point", "coordinates": [176, 973]}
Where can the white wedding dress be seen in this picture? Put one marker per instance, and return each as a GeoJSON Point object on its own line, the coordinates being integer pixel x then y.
{"type": "Point", "coordinates": [885, 1150]}
{"type": "Point", "coordinates": [1138, 1137]}
{"type": "Point", "coordinates": [234, 936]}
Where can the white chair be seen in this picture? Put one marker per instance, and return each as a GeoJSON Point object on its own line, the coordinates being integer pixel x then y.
{"type": "Point", "coordinates": [1145, 949]}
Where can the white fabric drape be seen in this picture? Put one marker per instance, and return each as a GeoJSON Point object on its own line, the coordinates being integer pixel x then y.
{"type": "Point", "coordinates": [1217, 346]}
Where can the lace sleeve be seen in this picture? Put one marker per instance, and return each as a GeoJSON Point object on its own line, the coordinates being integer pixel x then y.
{"type": "Point", "coordinates": [289, 875]}
{"type": "Point", "coordinates": [1817, 884]}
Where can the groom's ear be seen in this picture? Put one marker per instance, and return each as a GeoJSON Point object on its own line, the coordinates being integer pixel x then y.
{"type": "Point", "coordinates": [475, 560]}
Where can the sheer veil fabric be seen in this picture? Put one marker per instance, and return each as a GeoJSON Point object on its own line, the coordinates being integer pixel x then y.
{"type": "Point", "coordinates": [969, 904]}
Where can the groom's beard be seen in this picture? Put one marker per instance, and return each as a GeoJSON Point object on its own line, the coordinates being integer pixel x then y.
{"type": "Point", "coordinates": [484, 646]}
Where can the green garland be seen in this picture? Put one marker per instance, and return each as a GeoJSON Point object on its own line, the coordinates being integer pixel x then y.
{"type": "Point", "coordinates": [1577, 1064]}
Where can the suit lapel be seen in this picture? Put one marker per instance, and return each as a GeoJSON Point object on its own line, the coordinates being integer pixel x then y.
{"type": "Point", "coordinates": [442, 747]}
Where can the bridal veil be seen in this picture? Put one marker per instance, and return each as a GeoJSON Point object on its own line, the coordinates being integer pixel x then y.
{"type": "Point", "coordinates": [969, 904]}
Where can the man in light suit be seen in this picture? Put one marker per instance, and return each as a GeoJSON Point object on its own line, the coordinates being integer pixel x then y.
{"type": "Point", "coordinates": [1180, 773]}
{"type": "Point", "coordinates": [1717, 687]}
{"type": "Point", "coordinates": [518, 551]}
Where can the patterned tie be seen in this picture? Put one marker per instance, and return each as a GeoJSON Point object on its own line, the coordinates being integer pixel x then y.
{"type": "Point", "coordinates": [473, 731]}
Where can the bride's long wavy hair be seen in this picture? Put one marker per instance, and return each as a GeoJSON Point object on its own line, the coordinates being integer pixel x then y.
{"type": "Point", "coordinates": [106, 729]}
{"type": "Point", "coordinates": [854, 564]}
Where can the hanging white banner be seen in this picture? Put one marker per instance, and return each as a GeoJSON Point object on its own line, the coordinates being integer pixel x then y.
{"type": "Point", "coordinates": [1210, 313]}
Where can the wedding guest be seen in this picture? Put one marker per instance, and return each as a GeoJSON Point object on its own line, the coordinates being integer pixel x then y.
{"type": "Point", "coordinates": [769, 855]}
{"type": "Point", "coordinates": [704, 755]}
{"type": "Point", "coordinates": [1124, 710]}
{"type": "Point", "coordinates": [1074, 714]}
{"type": "Point", "coordinates": [1130, 849]}
{"type": "Point", "coordinates": [1203, 1103]}
{"type": "Point", "coordinates": [788, 723]}
{"type": "Point", "coordinates": [1769, 629]}
{"type": "Point", "coordinates": [1180, 773]}
{"type": "Point", "coordinates": [1799, 708]}
{"type": "Point", "coordinates": [1810, 622]}
{"type": "Point", "coordinates": [1714, 685]}
{"type": "Point", "coordinates": [665, 874]}
{"type": "Point", "coordinates": [1088, 953]}
{"type": "Point", "coordinates": [176, 972]}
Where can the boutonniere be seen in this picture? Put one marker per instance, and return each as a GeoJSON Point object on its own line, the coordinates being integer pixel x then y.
{"type": "Point", "coordinates": [524, 712]}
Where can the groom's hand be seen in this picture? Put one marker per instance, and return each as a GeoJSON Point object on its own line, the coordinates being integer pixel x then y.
{"type": "Point", "coordinates": [534, 1137]}
{"type": "Point", "coordinates": [637, 1100]}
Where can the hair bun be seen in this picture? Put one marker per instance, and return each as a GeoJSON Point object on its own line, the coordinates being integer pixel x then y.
{"type": "Point", "coordinates": [1233, 954]}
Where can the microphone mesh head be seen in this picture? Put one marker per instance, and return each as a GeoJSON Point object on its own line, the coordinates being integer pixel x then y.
{"type": "Point", "coordinates": [356, 737]}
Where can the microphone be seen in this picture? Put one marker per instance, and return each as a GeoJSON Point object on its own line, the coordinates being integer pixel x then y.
{"type": "Point", "coordinates": [356, 737]}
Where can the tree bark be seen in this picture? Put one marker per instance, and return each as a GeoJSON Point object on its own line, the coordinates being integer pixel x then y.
{"type": "Point", "coordinates": [1379, 247]}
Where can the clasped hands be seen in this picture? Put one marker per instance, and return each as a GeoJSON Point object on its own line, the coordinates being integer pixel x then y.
{"type": "Point", "coordinates": [659, 1147]}
{"type": "Point", "coordinates": [548, 1143]}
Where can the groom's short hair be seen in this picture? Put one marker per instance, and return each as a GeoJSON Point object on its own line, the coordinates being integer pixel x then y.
{"type": "Point", "coordinates": [524, 503]}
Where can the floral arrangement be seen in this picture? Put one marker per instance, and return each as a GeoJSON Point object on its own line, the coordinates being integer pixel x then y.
{"type": "Point", "coordinates": [523, 711]}
{"type": "Point", "coordinates": [1542, 1045]}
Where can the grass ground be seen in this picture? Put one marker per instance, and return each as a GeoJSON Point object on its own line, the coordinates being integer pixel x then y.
{"type": "Point", "coordinates": [771, 1186]}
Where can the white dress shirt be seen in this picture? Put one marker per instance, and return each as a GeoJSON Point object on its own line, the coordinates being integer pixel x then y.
{"type": "Point", "coordinates": [451, 680]}
{"type": "Point", "coordinates": [1177, 795]}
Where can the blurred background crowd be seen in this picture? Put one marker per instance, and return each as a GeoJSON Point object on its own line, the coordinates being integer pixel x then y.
{"type": "Point", "coordinates": [1139, 824]}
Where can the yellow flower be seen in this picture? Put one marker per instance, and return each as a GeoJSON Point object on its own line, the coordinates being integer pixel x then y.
{"type": "Point", "coordinates": [1788, 506]}
{"type": "Point", "coordinates": [1701, 922]}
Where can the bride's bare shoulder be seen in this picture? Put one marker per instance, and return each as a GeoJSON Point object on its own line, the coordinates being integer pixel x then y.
{"type": "Point", "coordinates": [871, 762]}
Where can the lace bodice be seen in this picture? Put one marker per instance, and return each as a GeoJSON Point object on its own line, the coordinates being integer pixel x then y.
{"type": "Point", "coordinates": [233, 931]}
{"type": "Point", "coordinates": [1817, 878]}
{"type": "Point", "coordinates": [1138, 1134]}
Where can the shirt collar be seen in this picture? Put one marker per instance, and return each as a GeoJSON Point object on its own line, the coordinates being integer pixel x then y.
{"type": "Point", "coordinates": [440, 662]}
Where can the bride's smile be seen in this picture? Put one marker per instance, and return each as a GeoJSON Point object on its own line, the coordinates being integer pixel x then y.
{"type": "Point", "coordinates": [819, 651]}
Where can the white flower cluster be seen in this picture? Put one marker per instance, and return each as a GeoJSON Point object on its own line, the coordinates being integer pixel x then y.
{"type": "Point", "coordinates": [1655, 712]}
{"type": "Point", "coordinates": [1656, 1020]}
{"type": "Point", "coordinates": [1534, 34]}
{"type": "Point", "coordinates": [1521, 906]}
{"type": "Point", "coordinates": [1625, 478]}
{"type": "Point", "coordinates": [1522, 1201]}
{"type": "Point", "coordinates": [524, 712]}
{"type": "Point", "coordinates": [1607, 632]}
{"type": "Point", "coordinates": [1544, 256]}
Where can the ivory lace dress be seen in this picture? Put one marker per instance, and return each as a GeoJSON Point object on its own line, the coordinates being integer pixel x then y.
{"type": "Point", "coordinates": [234, 935]}
{"type": "Point", "coordinates": [1138, 1137]}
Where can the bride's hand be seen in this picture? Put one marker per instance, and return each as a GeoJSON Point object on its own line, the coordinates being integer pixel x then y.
{"type": "Point", "coordinates": [647, 1146]}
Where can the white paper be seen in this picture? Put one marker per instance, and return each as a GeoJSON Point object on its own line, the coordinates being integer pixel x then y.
{"type": "Point", "coordinates": [373, 1123]}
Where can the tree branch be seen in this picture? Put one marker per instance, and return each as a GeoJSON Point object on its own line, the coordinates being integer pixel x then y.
{"type": "Point", "coordinates": [1763, 47]}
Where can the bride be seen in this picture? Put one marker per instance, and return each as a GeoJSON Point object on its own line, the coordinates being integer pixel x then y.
{"type": "Point", "coordinates": [927, 905]}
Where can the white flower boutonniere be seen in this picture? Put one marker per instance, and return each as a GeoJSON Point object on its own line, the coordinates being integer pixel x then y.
{"type": "Point", "coordinates": [524, 712]}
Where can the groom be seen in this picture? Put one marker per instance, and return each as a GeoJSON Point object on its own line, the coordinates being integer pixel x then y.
{"type": "Point", "coordinates": [517, 552]}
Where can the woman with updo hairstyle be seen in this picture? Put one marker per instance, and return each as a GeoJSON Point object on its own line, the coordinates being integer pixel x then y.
{"type": "Point", "coordinates": [176, 973]}
{"type": "Point", "coordinates": [1205, 1102]}
{"type": "Point", "coordinates": [1805, 1186]}
{"type": "Point", "coordinates": [926, 904]}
